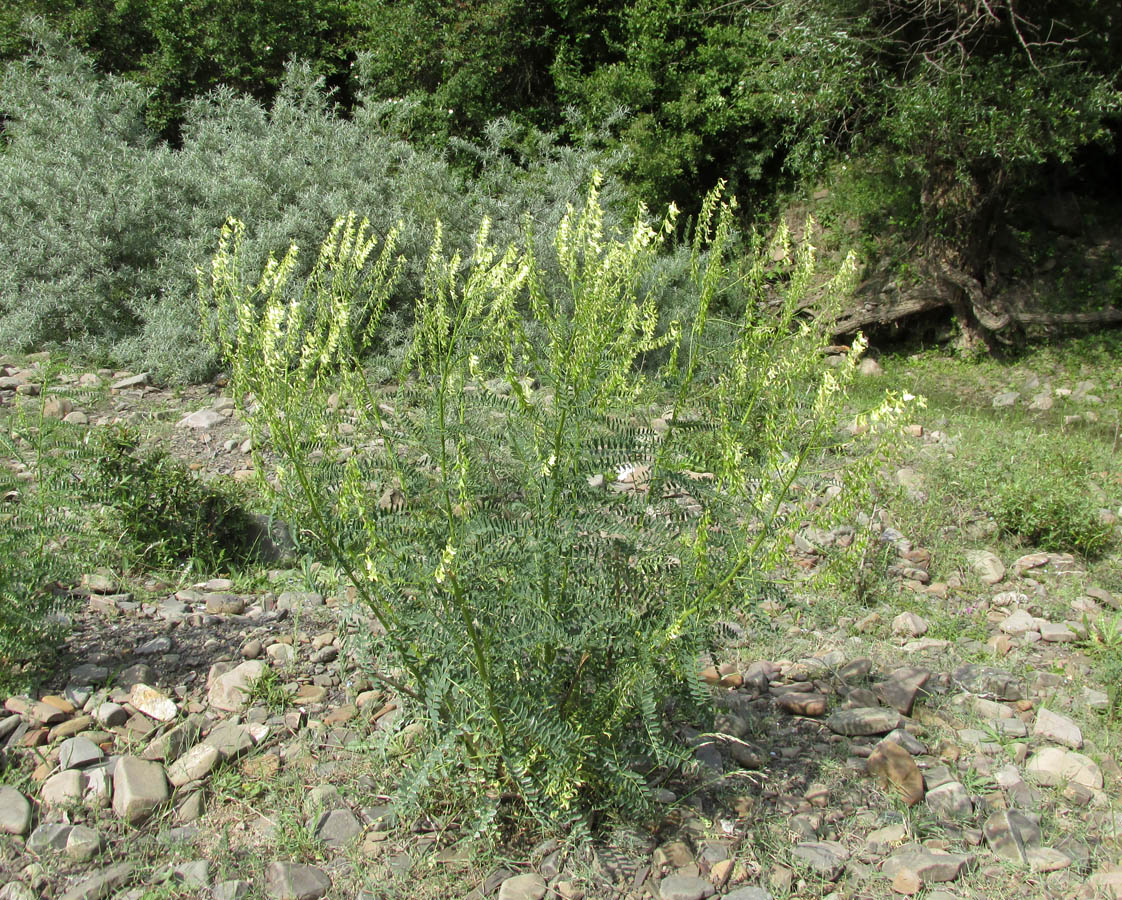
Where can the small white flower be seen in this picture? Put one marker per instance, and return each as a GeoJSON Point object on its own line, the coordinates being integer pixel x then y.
{"type": "Point", "coordinates": [446, 557]}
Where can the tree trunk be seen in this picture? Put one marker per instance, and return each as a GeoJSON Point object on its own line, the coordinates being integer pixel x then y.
{"type": "Point", "coordinates": [941, 287]}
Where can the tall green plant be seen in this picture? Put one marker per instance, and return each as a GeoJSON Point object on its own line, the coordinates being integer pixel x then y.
{"type": "Point", "coordinates": [543, 563]}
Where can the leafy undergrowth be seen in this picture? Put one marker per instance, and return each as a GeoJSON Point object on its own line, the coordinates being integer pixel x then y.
{"type": "Point", "coordinates": [1002, 462]}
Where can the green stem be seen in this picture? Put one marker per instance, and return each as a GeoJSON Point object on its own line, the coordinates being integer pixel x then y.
{"type": "Point", "coordinates": [383, 432]}
{"type": "Point", "coordinates": [382, 615]}
{"type": "Point", "coordinates": [480, 658]}
{"type": "Point", "coordinates": [750, 552]}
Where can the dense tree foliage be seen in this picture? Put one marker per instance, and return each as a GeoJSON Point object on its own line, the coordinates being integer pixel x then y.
{"type": "Point", "coordinates": [181, 49]}
{"type": "Point", "coordinates": [934, 120]}
{"type": "Point", "coordinates": [976, 102]}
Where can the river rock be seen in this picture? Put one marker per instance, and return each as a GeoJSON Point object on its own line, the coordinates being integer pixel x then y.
{"type": "Point", "coordinates": [223, 604]}
{"type": "Point", "coordinates": [63, 788]}
{"type": "Point", "coordinates": [950, 799]}
{"type": "Point", "coordinates": [986, 565]}
{"type": "Point", "coordinates": [194, 765]}
{"type": "Point", "coordinates": [802, 703]}
{"type": "Point", "coordinates": [863, 720]}
{"type": "Point", "coordinates": [1011, 833]}
{"type": "Point", "coordinates": [337, 828]}
{"type": "Point", "coordinates": [139, 673]}
{"type": "Point", "coordinates": [48, 837]}
{"type": "Point", "coordinates": [78, 752]}
{"type": "Point", "coordinates": [989, 681]}
{"type": "Point", "coordinates": [1057, 728]}
{"type": "Point", "coordinates": [203, 419]}
{"type": "Point", "coordinates": [194, 874]}
{"type": "Point", "coordinates": [292, 881]}
{"type": "Point", "coordinates": [234, 889]}
{"type": "Point", "coordinates": [131, 381]}
{"type": "Point", "coordinates": [230, 738]}
{"type": "Point", "coordinates": [139, 787]}
{"type": "Point", "coordinates": [89, 673]}
{"type": "Point", "coordinates": [1020, 622]}
{"type": "Point", "coordinates": [103, 884]}
{"type": "Point", "coordinates": [893, 766]}
{"type": "Point", "coordinates": [748, 893]}
{"type": "Point", "coordinates": [170, 745]}
{"type": "Point", "coordinates": [15, 811]}
{"type": "Point", "coordinates": [230, 691]}
{"type": "Point", "coordinates": [152, 703]}
{"type": "Point", "coordinates": [932, 866]}
{"type": "Point", "coordinates": [1056, 633]}
{"type": "Point", "coordinates": [827, 858]}
{"type": "Point", "coordinates": [83, 844]}
{"type": "Point", "coordinates": [909, 624]}
{"type": "Point", "coordinates": [522, 887]}
{"type": "Point", "coordinates": [1053, 766]}
{"type": "Point", "coordinates": [901, 688]}
{"type": "Point", "coordinates": [111, 715]}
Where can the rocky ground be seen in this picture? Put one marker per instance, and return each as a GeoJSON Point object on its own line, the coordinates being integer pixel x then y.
{"type": "Point", "coordinates": [214, 740]}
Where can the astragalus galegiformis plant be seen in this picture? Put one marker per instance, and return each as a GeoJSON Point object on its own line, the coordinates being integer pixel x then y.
{"type": "Point", "coordinates": [543, 554]}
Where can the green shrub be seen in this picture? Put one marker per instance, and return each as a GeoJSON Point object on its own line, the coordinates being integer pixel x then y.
{"type": "Point", "coordinates": [1104, 646]}
{"type": "Point", "coordinates": [103, 227]}
{"type": "Point", "coordinates": [754, 95]}
{"type": "Point", "coordinates": [178, 51]}
{"type": "Point", "coordinates": [159, 513]}
{"type": "Point", "coordinates": [461, 64]}
{"type": "Point", "coordinates": [541, 563]}
{"type": "Point", "coordinates": [1034, 485]}
{"type": "Point", "coordinates": [84, 199]}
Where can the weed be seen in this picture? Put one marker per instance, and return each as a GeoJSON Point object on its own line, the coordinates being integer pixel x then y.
{"type": "Point", "coordinates": [294, 838]}
{"type": "Point", "coordinates": [1104, 642]}
{"type": "Point", "coordinates": [1043, 500]}
{"type": "Point", "coordinates": [269, 691]}
{"type": "Point", "coordinates": [42, 543]}
{"type": "Point", "coordinates": [227, 783]}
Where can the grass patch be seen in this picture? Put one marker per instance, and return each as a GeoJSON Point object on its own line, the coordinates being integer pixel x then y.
{"type": "Point", "coordinates": [1014, 478]}
{"type": "Point", "coordinates": [269, 691]}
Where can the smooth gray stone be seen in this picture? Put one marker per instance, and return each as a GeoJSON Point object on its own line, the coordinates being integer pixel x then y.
{"type": "Point", "coordinates": [292, 881]}
{"type": "Point", "coordinates": [49, 836]}
{"type": "Point", "coordinates": [103, 884]}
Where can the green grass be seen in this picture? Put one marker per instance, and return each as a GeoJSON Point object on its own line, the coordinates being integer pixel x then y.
{"type": "Point", "coordinates": [1033, 482]}
{"type": "Point", "coordinates": [269, 691]}
{"type": "Point", "coordinates": [1104, 646]}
